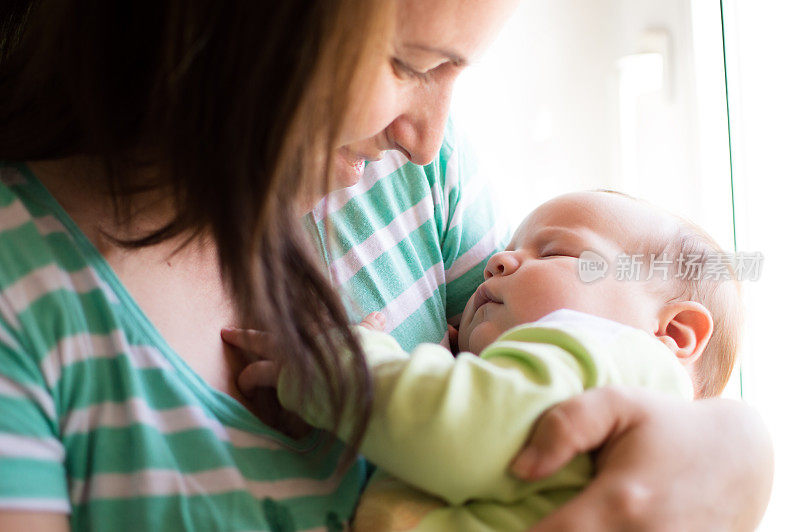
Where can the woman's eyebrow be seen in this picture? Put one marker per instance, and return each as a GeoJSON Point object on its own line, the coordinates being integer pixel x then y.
{"type": "Point", "coordinates": [452, 56]}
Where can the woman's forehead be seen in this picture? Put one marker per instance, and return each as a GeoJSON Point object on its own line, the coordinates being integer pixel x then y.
{"type": "Point", "coordinates": [460, 28]}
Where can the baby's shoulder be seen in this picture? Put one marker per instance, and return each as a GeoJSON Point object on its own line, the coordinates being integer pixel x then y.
{"type": "Point", "coordinates": [612, 353]}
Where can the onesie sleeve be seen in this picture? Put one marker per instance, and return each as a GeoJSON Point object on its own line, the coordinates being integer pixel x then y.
{"type": "Point", "coordinates": [471, 231]}
{"type": "Point", "coordinates": [451, 426]}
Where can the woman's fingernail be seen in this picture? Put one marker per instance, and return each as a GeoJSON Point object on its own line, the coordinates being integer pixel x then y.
{"type": "Point", "coordinates": [524, 463]}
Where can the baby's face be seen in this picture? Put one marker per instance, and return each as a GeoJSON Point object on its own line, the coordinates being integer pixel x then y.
{"type": "Point", "coordinates": [538, 272]}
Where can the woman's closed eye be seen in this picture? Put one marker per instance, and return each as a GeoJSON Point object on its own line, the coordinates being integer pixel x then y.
{"type": "Point", "coordinates": [405, 71]}
{"type": "Point", "coordinates": [445, 68]}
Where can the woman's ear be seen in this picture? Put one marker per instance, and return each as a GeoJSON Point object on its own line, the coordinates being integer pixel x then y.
{"type": "Point", "coordinates": [685, 327]}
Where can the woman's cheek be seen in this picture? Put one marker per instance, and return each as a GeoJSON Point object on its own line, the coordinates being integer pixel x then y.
{"type": "Point", "coordinates": [374, 109]}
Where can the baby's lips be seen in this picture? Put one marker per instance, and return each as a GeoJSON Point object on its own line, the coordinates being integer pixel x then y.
{"type": "Point", "coordinates": [484, 295]}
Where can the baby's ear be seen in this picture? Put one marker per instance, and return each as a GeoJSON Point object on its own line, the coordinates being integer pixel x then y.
{"type": "Point", "coordinates": [685, 327]}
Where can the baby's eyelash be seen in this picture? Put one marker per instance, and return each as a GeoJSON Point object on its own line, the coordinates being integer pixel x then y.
{"type": "Point", "coordinates": [556, 252]}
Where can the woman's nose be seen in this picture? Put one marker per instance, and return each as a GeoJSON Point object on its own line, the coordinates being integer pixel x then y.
{"type": "Point", "coordinates": [420, 129]}
{"type": "Point", "coordinates": [500, 264]}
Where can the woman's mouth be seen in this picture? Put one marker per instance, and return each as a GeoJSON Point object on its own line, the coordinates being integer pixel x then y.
{"type": "Point", "coordinates": [348, 168]}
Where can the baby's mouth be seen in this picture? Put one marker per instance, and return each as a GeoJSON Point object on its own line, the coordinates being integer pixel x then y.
{"type": "Point", "coordinates": [484, 295]}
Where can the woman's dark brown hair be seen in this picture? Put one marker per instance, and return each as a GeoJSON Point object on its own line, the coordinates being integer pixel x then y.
{"type": "Point", "coordinates": [238, 105]}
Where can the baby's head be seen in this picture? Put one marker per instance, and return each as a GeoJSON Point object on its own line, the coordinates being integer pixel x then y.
{"type": "Point", "coordinates": [697, 316]}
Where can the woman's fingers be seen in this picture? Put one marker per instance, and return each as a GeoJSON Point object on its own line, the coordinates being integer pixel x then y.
{"type": "Point", "coordinates": [663, 463]}
{"type": "Point", "coordinates": [263, 373]}
{"type": "Point", "coordinates": [599, 507]}
{"type": "Point", "coordinates": [374, 321]}
{"type": "Point", "coordinates": [567, 429]}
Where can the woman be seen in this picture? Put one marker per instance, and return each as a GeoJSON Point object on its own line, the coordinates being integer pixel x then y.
{"type": "Point", "coordinates": [169, 148]}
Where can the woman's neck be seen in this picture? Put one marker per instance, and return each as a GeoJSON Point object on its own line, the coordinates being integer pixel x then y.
{"type": "Point", "coordinates": [79, 184]}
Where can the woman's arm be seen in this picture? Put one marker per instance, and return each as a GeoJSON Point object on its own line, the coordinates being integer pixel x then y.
{"type": "Point", "coordinates": [663, 464]}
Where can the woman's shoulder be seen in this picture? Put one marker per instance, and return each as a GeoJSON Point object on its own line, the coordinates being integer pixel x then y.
{"type": "Point", "coordinates": [44, 273]}
{"type": "Point", "coordinates": [23, 230]}
{"type": "Point", "coordinates": [32, 238]}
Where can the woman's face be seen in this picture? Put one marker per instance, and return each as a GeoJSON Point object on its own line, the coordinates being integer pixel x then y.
{"type": "Point", "coordinates": [408, 105]}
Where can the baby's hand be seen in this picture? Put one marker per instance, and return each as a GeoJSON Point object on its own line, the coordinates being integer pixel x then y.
{"type": "Point", "coordinates": [258, 381]}
{"type": "Point", "coordinates": [452, 335]}
{"type": "Point", "coordinates": [374, 322]}
{"type": "Point", "coordinates": [255, 345]}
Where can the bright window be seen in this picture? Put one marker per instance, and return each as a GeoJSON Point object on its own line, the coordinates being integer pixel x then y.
{"type": "Point", "coordinates": [631, 95]}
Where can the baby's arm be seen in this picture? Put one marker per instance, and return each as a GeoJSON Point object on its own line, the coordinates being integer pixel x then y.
{"type": "Point", "coordinates": [451, 426]}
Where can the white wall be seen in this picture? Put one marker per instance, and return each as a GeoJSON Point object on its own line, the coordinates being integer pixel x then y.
{"type": "Point", "coordinates": [544, 106]}
{"type": "Point", "coordinates": [544, 110]}
{"type": "Point", "coordinates": [764, 71]}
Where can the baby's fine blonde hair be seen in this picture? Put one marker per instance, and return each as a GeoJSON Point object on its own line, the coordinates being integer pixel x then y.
{"type": "Point", "coordinates": [718, 291]}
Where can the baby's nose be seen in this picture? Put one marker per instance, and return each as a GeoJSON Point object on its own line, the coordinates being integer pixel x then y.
{"type": "Point", "coordinates": [503, 263]}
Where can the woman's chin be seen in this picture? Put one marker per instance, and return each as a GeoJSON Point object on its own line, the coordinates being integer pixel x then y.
{"type": "Point", "coordinates": [346, 173]}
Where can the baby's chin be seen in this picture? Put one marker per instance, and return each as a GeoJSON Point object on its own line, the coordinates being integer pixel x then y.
{"type": "Point", "coordinates": [475, 339]}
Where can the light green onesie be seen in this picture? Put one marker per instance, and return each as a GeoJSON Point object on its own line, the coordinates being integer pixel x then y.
{"type": "Point", "coordinates": [451, 426]}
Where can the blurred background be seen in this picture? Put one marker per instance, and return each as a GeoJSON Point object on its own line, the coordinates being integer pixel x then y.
{"type": "Point", "coordinates": [646, 97]}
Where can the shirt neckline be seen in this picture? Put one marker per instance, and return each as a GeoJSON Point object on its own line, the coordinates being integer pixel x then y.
{"type": "Point", "coordinates": [223, 405]}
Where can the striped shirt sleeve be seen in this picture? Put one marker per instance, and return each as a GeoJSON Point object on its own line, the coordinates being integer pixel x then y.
{"type": "Point", "coordinates": [471, 232]}
{"type": "Point", "coordinates": [32, 473]}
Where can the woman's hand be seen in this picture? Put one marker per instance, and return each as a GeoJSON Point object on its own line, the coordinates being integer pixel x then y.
{"type": "Point", "coordinates": [662, 464]}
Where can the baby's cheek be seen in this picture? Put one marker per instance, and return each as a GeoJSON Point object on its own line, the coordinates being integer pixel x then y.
{"type": "Point", "coordinates": [534, 305]}
{"type": "Point", "coordinates": [482, 335]}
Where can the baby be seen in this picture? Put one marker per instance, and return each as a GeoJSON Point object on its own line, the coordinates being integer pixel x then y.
{"type": "Point", "coordinates": [443, 430]}
{"type": "Point", "coordinates": [698, 317]}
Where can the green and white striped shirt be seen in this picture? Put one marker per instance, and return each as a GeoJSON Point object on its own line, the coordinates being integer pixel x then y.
{"type": "Point", "coordinates": [411, 241]}
{"type": "Point", "coordinates": [101, 419]}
